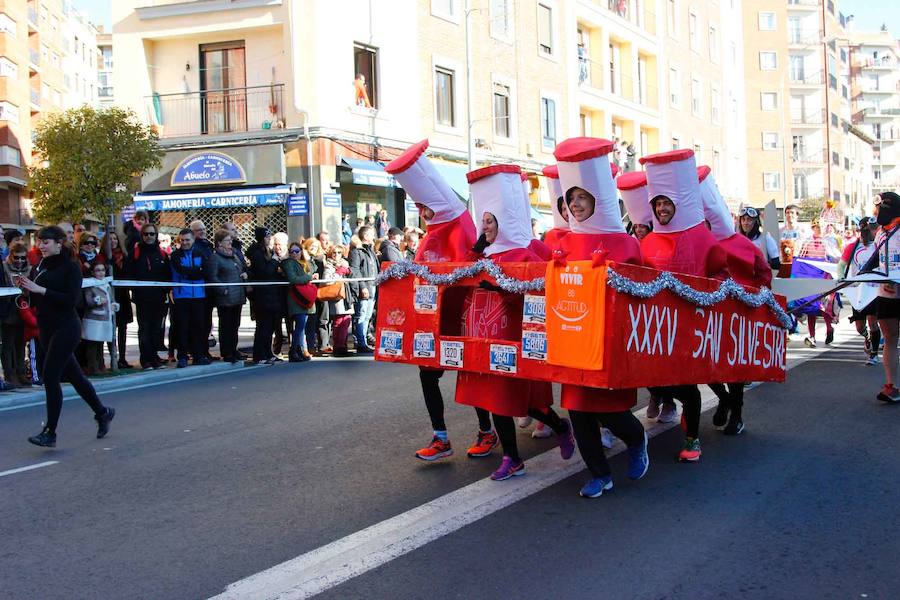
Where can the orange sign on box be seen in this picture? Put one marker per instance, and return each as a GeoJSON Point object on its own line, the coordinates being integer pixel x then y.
{"type": "Point", "coordinates": [576, 305]}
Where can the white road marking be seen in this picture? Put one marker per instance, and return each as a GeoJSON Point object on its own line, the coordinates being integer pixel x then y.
{"type": "Point", "coordinates": [332, 564]}
{"type": "Point", "coordinates": [28, 468]}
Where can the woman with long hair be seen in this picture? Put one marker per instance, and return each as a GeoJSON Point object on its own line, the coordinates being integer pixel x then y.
{"type": "Point", "coordinates": [54, 287]}
{"type": "Point", "coordinates": [125, 315]}
{"type": "Point", "coordinates": [299, 271]}
{"type": "Point", "coordinates": [226, 267]}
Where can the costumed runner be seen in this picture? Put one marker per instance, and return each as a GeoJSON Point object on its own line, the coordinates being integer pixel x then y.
{"type": "Point", "coordinates": [633, 190]}
{"type": "Point", "coordinates": [681, 243]}
{"type": "Point", "coordinates": [536, 245]}
{"type": "Point", "coordinates": [491, 313]}
{"type": "Point", "coordinates": [450, 233]}
{"type": "Point", "coordinates": [888, 248]}
{"type": "Point", "coordinates": [596, 223]}
{"type": "Point", "coordinates": [863, 299]}
{"type": "Point", "coordinates": [560, 214]}
{"type": "Point", "coordinates": [747, 266]}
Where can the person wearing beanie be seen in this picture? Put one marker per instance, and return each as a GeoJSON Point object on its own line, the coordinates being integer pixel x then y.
{"type": "Point", "coordinates": [748, 267]}
{"type": "Point", "coordinates": [504, 236]}
{"type": "Point", "coordinates": [554, 236]}
{"type": "Point", "coordinates": [680, 243]}
{"type": "Point", "coordinates": [449, 236]}
{"type": "Point", "coordinates": [596, 225]}
{"type": "Point", "coordinates": [888, 251]}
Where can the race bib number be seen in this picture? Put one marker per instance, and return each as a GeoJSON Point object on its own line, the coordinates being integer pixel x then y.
{"type": "Point", "coordinates": [503, 358]}
{"type": "Point", "coordinates": [534, 345]}
{"type": "Point", "coordinates": [533, 311]}
{"type": "Point", "coordinates": [391, 343]}
{"type": "Point", "coordinates": [452, 354]}
{"type": "Point", "coordinates": [423, 345]}
{"type": "Point", "coordinates": [425, 299]}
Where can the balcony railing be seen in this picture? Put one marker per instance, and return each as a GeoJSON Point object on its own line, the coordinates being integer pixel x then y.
{"type": "Point", "coordinates": [592, 74]}
{"type": "Point", "coordinates": [633, 11]}
{"type": "Point", "coordinates": [212, 112]}
{"type": "Point", "coordinates": [804, 2]}
{"type": "Point", "coordinates": [34, 56]}
{"type": "Point", "coordinates": [804, 38]}
{"type": "Point", "coordinates": [32, 16]}
{"type": "Point", "coordinates": [819, 157]}
{"type": "Point", "coordinates": [802, 78]}
{"type": "Point", "coordinates": [35, 97]}
{"type": "Point", "coordinates": [812, 117]}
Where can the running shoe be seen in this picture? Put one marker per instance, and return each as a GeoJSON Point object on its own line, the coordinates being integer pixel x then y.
{"type": "Point", "coordinates": [868, 341]}
{"type": "Point", "coordinates": [44, 438]}
{"type": "Point", "coordinates": [653, 407]}
{"type": "Point", "coordinates": [872, 360]}
{"type": "Point", "coordinates": [734, 427]}
{"type": "Point", "coordinates": [638, 460]}
{"type": "Point", "coordinates": [829, 337]}
{"type": "Point", "coordinates": [669, 413]}
{"type": "Point", "coordinates": [810, 342]}
{"type": "Point", "coordinates": [566, 441]}
{"type": "Point", "coordinates": [509, 468]}
{"type": "Point", "coordinates": [595, 487]}
{"type": "Point", "coordinates": [103, 422]}
{"type": "Point", "coordinates": [691, 450]}
{"type": "Point", "coordinates": [435, 450]}
{"type": "Point", "coordinates": [483, 445]}
{"type": "Point", "coordinates": [541, 431]}
{"type": "Point", "coordinates": [720, 418]}
{"type": "Point", "coordinates": [607, 439]}
{"type": "Point", "coordinates": [523, 422]}
{"type": "Point", "coordinates": [889, 394]}
{"type": "Point", "coordinates": [182, 363]}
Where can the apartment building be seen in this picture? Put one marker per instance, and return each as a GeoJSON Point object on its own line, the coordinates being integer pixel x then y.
{"type": "Point", "coordinates": [79, 59]}
{"type": "Point", "coordinates": [265, 122]}
{"type": "Point", "coordinates": [704, 83]}
{"type": "Point", "coordinates": [31, 84]}
{"type": "Point", "coordinates": [105, 95]}
{"type": "Point", "coordinates": [875, 85]}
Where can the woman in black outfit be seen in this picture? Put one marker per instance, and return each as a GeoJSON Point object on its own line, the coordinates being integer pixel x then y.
{"type": "Point", "coordinates": [55, 287]}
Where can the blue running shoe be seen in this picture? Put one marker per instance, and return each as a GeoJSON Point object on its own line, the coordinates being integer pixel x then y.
{"type": "Point", "coordinates": [595, 487]}
{"type": "Point", "coordinates": [638, 460]}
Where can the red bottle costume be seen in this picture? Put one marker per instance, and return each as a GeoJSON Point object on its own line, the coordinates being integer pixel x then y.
{"type": "Point", "coordinates": [498, 190]}
{"type": "Point", "coordinates": [535, 245]}
{"type": "Point", "coordinates": [684, 244]}
{"type": "Point", "coordinates": [554, 236]}
{"type": "Point", "coordinates": [584, 163]}
{"type": "Point", "coordinates": [746, 263]}
{"type": "Point", "coordinates": [633, 189]}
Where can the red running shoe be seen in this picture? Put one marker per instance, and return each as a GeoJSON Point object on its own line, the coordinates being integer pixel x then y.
{"type": "Point", "coordinates": [483, 445]}
{"type": "Point", "coordinates": [435, 450]}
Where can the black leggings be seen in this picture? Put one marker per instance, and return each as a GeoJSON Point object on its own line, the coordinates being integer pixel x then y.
{"type": "Point", "coordinates": [689, 396]}
{"type": "Point", "coordinates": [586, 426]}
{"type": "Point", "coordinates": [506, 429]}
{"type": "Point", "coordinates": [59, 359]}
{"type": "Point", "coordinates": [733, 396]}
{"type": "Point", "coordinates": [434, 402]}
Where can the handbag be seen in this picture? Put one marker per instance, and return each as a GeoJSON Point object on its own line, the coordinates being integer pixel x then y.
{"type": "Point", "coordinates": [304, 294]}
{"type": "Point", "coordinates": [332, 291]}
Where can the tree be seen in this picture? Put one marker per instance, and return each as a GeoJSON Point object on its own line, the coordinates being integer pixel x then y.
{"type": "Point", "coordinates": [811, 208]}
{"type": "Point", "coordinates": [92, 160]}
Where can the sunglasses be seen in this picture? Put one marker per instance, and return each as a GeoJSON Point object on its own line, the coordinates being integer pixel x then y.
{"type": "Point", "coordinates": [20, 258]}
{"type": "Point", "coordinates": [295, 250]}
{"type": "Point", "coordinates": [89, 243]}
{"type": "Point", "coordinates": [149, 234]}
{"type": "Point", "coordinates": [749, 211]}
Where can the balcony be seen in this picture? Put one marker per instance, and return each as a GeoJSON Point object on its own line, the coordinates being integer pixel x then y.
{"type": "Point", "coordinates": [804, 4]}
{"type": "Point", "coordinates": [596, 78]}
{"type": "Point", "coordinates": [216, 112]}
{"type": "Point", "coordinates": [885, 63]}
{"type": "Point", "coordinates": [35, 101]}
{"type": "Point", "coordinates": [804, 39]}
{"type": "Point", "coordinates": [810, 117]}
{"type": "Point", "coordinates": [34, 59]}
{"type": "Point", "coordinates": [631, 11]}
{"type": "Point", "coordinates": [801, 78]}
{"type": "Point", "coordinates": [876, 114]}
{"type": "Point", "coordinates": [160, 9]}
{"type": "Point", "coordinates": [817, 158]}
{"type": "Point", "coordinates": [32, 19]}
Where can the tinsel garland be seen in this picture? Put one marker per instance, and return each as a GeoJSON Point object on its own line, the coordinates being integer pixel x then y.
{"type": "Point", "coordinates": [665, 281]}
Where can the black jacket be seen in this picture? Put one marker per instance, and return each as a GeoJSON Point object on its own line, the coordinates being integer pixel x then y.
{"type": "Point", "coordinates": [264, 267]}
{"type": "Point", "coordinates": [363, 263]}
{"type": "Point", "coordinates": [62, 278]}
{"type": "Point", "coordinates": [390, 252]}
{"type": "Point", "coordinates": [147, 262]}
{"type": "Point", "coordinates": [132, 236]}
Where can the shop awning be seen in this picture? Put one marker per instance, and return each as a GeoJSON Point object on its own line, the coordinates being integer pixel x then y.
{"type": "Point", "coordinates": [367, 172]}
{"type": "Point", "coordinates": [455, 175]}
{"type": "Point", "coordinates": [264, 196]}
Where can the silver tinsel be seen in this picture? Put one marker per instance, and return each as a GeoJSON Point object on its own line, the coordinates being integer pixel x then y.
{"type": "Point", "coordinates": [665, 281]}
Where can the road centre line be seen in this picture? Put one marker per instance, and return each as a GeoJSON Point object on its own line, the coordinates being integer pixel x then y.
{"type": "Point", "coordinates": [28, 468]}
{"type": "Point", "coordinates": [332, 564]}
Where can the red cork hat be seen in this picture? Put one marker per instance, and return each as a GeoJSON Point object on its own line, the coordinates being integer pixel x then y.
{"type": "Point", "coordinates": [582, 148]}
{"type": "Point", "coordinates": [552, 172]}
{"type": "Point", "coordinates": [667, 157]}
{"type": "Point", "coordinates": [407, 159]}
{"type": "Point", "coordinates": [703, 172]}
{"type": "Point", "coordinates": [631, 180]}
{"type": "Point", "coordinates": [473, 176]}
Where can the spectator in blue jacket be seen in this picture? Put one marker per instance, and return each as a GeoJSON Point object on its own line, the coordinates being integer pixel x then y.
{"type": "Point", "coordinates": [190, 265]}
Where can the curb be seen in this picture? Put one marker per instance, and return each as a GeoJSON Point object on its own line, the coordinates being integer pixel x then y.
{"type": "Point", "coordinates": [27, 396]}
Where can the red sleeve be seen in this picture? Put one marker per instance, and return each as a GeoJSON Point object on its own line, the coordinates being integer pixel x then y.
{"type": "Point", "coordinates": [848, 253]}
{"type": "Point", "coordinates": [717, 263]}
{"type": "Point", "coordinates": [762, 272]}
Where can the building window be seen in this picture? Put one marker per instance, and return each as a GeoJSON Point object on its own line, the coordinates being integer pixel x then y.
{"type": "Point", "coordinates": [107, 58]}
{"type": "Point", "coordinates": [766, 21]}
{"type": "Point", "coordinates": [502, 19]}
{"type": "Point", "coordinates": [768, 100]}
{"type": "Point", "coordinates": [715, 103]}
{"type": "Point", "coordinates": [446, 9]}
{"type": "Point", "coordinates": [548, 123]}
{"type": "Point", "coordinates": [9, 112]}
{"type": "Point", "coordinates": [836, 159]}
{"type": "Point", "coordinates": [768, 61]}
{"type": "Point", "coordinates": [770, 140]}
{"type": "Point", "coordinates": [834, 120]}
{"type": "Point", "coordinates": [696, 97]}
{"type": "Point", "coordinates": [672, 16]}
{"type": "Point", "coordinates": [545, 29]}
{"type": "Point", "coordinates": [10, 156]}
{"type": "Point", "coordinates": [713, 43]}
{"type": "Point", "coordinates": [674, 88]}
{"type": "Point", "coordinates": [501, 111]}
{"type": "Point", "coordinates": [365, 63]}
{"type": "Point", "coordinates": [444, 98]}
{"type": "Point", "coordinates": [771, 181]}
{"type": "Point", "coordinates": [694, 31]}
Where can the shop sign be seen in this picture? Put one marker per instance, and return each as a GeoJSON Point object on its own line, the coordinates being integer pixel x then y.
{"type": "Point", "coordinates": [208, 168]}
{"type": "Point", "coordinates": [298, 205]}
{"type": "Point", "coordinates": [194, 201]}
{"type": "Point", "coordinates": [331, 200]}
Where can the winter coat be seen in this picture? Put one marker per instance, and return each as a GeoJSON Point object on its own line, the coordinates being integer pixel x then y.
{"type": "Point", "coordinates": [189, 266]}
{"type": "Point", "coordinates": [390, 252]}
{"type": "Point", "coordinates": [132, 236]}
{"type": "Point", "coordinates": [97, 323]}
{"type": "Point", "coordinates": [122, 294]}
{"type": "Point", "coordinates": [363, 263]}
{"type": "Point", "coordinates": [9, 310]}
{"type": "Point", "coordinates": [265, 267]}
{"type": "Point", "coordinates": [297, 274]}
{"type": "Point", "coordinates": [147, 262]}
{"type": "Point", "coordinates": [227, 269]}
{"type": "Point", "coordinates": [339, 270]}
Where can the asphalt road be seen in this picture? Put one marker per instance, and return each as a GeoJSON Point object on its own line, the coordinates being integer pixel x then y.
{"type": "Point", "coordinates": [207, 482]}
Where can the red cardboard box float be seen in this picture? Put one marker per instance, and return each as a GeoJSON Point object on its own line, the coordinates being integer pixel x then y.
{"type": "Point", "coordinates": [583, 331]}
